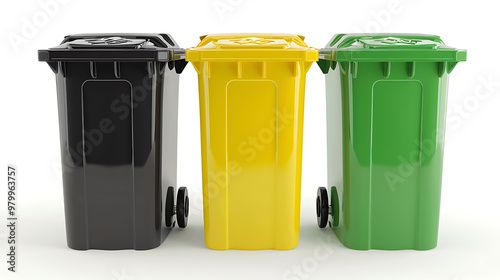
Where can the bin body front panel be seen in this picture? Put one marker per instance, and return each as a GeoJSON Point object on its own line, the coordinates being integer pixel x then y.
{"type": "Point", "coordinates": [252, 182]}
{"type": "Point", "coordinates": [251, 130]}
{"type": "Point", "coordinates": [392, 150]}
{"type": "Point", "coordinates": [108, 160]}
{"type": "Point", "coordinates": [111, 132]}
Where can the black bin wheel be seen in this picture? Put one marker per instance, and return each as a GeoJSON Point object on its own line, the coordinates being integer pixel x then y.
{"type": "Point", "coordinates": [182, 210]}
{"type": "Point", "coordinates": [170, 208]}
{"type": "Point", "coordinates": [322, 206]}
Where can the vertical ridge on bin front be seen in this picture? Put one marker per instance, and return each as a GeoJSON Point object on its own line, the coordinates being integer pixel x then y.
{"type": "Point", "coordinates": [276, 205]}
{"type": "Point", "coordinates": [240, 68]}
{"type": "Point", "coordinates": [226, 193]}
{"type": "Point", "coordinates": [133, 163]}
{"type": "Point", "coordinates": [117, 69]}
{"type": "Point", "coordinates": [411, 69]}
{"type": "Point", "coordinates": [93, 69]}
{"type": "Point", "coordinates": [387, 69]}
{"type": "Point", "coordinates": [370, 185]}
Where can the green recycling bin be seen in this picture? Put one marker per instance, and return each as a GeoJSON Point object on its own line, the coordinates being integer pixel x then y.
{"type": "Point", "coordinates": [386, 93]}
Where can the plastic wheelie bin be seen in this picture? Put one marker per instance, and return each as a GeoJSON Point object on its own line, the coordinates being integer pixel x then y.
{"type": "Point", "coordinates": [117, 101]}
{"type": "Point", "coordinates": [386, 93]}
{"type": "Point", "coordinates": [251, 90]}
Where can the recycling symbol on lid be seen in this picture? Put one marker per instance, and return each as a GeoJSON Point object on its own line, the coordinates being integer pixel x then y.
{"type": "Point", "coordinates": [257, 41]}
{"type": "Point", "coordinates": [393, 40]}
{"type": "Point", "coordinates": [107, 41]}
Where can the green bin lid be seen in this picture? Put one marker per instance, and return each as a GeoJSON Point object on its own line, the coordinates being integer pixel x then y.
{"type": "Point", "coordinates": [390, 47]}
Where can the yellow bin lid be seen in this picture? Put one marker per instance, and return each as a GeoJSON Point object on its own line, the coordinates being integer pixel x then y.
{"type": "Point", "coordinates": [252, 47]}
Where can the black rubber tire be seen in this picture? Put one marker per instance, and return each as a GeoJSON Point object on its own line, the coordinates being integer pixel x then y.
{"type": "Point", "coordinates": [322, 207]}
{"type": "Point", "coordinates": [182, 207]}
{"type": "Point", "coordinates": [169, 208]}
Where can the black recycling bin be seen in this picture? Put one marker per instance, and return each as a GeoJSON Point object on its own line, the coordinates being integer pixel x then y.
{"type": "Point", "coordinates": [117, 101]}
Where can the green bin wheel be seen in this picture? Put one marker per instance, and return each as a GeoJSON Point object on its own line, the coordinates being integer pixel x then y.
{"type": "Point", "coordinates": [322, 206]}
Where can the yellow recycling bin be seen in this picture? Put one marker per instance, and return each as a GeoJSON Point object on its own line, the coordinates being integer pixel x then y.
{"type": "Point", "coordinates": [251, 111]}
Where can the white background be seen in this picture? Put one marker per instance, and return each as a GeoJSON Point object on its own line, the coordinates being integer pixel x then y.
{"type": "Point", "coordinates": [469, 240]}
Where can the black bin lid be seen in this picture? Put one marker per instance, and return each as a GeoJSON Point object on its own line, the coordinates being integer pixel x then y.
{"type": "Point", "coordinates": [114, 47]}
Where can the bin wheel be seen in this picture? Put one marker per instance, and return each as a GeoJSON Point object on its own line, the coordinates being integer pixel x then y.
{"type": "Point", "coordinates": [182, 206]}
{"type": "Point", "coordinates": [170, 208]}
{"type": "Point", "coordinates": [322, 206]}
